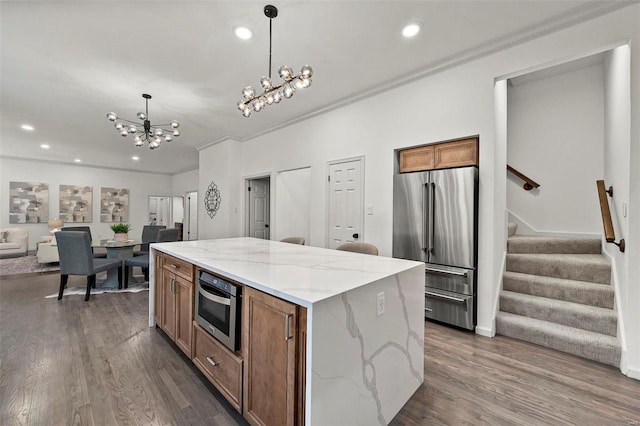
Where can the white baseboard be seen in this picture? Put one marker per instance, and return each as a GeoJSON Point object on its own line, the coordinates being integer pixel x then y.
{"type": "Point", "coordinates": [633, 373]}
{"type": "Point", "coordinates": [486, 332]}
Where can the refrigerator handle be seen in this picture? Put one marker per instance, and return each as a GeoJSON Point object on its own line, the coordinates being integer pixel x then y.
{"type": "Point", "coordinates": [432, 207]}
{"type": "Point", "coordinates": [425, 216]}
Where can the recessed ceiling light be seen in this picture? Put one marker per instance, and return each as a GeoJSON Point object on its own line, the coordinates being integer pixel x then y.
{"type": "Point", "coordinates": [27, 127]}
{"type": "Point", "coordinates": [135, 158]}
{"type": "Point", "coordinates": [77, 160]}
{"type": "Point", "coordinates": [412, 29]}
{"type": "Point", "coordinates": [243, 33]}
{"type": "Point", "coordinates": [45, 146]}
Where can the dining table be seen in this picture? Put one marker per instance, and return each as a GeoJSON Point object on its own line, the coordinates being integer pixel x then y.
{"type": "Point", "coordinates": [116, 250]}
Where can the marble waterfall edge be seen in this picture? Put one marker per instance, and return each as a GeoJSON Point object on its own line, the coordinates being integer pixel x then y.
{"type": "Point", "coordinates": [365, 367]}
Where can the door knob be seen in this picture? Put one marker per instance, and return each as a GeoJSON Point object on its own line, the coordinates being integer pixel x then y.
{"type": "Point", "coordinates": [266, 225]}
{"type": "Point", "coordinates": [355, 236]}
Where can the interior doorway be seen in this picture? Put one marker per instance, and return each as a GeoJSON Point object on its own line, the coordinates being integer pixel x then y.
{"type": "Point", "coordinates": [190, 228]}
{"type": "Point", "coordinates": [258, 207]}
{"type": "Point", "coordinates": [346, 201]}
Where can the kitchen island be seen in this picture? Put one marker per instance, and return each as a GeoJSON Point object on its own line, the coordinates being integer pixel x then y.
{"type": "Point", "coordinates": [361, 345]}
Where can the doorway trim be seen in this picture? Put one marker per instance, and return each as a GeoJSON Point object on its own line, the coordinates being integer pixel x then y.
{"type": "Point", "coordinates": [329, 163]}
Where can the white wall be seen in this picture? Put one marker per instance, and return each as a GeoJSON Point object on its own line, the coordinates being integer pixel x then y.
{"type": "Point", "coordinates": [140, 185]}
{"type": "Point", "coordinates": [455, 102]}
{"type": "Point", "coordinates": [184, 182]}
{"type": "Point", "coordinates": [616, 173]}
{"type": "Point", "coordinates": [556, 137]}
{"type": "Point", "coordinates": [292, 204]}
{"type": "Point", "coordinates": [222, 165]}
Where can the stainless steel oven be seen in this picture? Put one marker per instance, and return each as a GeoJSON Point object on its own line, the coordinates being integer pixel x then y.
{"type": "Point", "coordinates": [218, 303]}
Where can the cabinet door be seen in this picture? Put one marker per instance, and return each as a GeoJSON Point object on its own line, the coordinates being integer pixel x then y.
{"type": "Point", "coordinates": [183, 293]}
{"type": "Point", "coordinates": [159, 289]}
{"type": "Point", "coordinates": [269, 340]}
{"type": "Point", "coordinates": [459, 153]}
{"type": "Point", "coordinates": [168, 314]}
{"type": "Point", "coordinates": [416, 159]}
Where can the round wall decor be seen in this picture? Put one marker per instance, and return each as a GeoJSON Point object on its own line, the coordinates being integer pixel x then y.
{"type": "Point", "coordinates": [212, 200]}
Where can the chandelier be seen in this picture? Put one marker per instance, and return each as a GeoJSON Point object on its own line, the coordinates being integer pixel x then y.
{"type": "Point", "coordinates": [274, 93]}
{"type": "Point", "coordinates": [153, 135]}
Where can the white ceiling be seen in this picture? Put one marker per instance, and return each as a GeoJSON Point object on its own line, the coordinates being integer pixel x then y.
{"type": "Point", "coordinates": [65, 64]}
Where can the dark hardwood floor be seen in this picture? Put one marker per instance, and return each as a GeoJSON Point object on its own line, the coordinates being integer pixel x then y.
{"type": "Point", "coordinates": [74, 362]}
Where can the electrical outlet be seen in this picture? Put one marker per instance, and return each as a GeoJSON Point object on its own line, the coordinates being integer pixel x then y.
{"type": "Point", "coordinates": [370, 209]}
{"type": "Point", "coordinates": [380, 303]}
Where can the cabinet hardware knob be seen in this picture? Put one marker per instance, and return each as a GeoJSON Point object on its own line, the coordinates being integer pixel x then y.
{"type": "Point", "coordinates": [174, 266]}
{"type": "Point", "coordinates": [211, 361]}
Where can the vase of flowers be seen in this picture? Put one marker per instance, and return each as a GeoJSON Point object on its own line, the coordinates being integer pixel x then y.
{"type": "Point", "coordinates": [120, 231]}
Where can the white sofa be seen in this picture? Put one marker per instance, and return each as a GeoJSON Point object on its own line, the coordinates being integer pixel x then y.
{"type": "Point", "coordinates": [14, 242]}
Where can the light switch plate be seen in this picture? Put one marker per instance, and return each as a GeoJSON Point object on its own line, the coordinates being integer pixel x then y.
{"type": "Point", "coordinates": [380, 303]}
{"type": "Point", "coordinates": [370, 209]}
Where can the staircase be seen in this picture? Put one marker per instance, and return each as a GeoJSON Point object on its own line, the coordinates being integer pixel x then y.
{"type": "Point", "coordinates": [557, 293]}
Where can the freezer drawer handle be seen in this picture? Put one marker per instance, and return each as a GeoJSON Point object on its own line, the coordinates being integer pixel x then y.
{"type": "Point", "coordinates": [444, 297]}
{"type": "Point", "coordinates": [442, 271]}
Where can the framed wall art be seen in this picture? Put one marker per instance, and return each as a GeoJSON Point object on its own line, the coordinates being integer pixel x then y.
{"type": "Point", "coordinates": [114, 205]}
{"type": "Point", "coordinates": [28, 202]}
{"type": "Point", "coordinates": [76, 203]}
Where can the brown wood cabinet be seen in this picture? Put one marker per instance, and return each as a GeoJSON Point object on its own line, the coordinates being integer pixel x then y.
{"type": "Point", "coordinates": [272, 355]}
{"type": "Point", "coordinates": [222, 367]}
{"type": "Point", "coordinates": [175, 298]}
{"type": "Point", "coordinates": [458, 153]}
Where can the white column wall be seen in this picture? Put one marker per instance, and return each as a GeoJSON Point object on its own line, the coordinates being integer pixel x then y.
{"type": "Point", "coordinates": [140, 185]}
{"type": "Point", "coordinates": [452, 103]}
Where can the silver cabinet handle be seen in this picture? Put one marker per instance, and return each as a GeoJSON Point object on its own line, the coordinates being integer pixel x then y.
{"type": "Point", "coordinates": [444, 297]}
{"type": "Point", "coordinates": [174, 266]}
{"type": "Point", "coordinates": [444, 271]}
{"type": "Point", "coordinates": [287, 327]}
{"type": "Point", "coordinates": [211, 361]}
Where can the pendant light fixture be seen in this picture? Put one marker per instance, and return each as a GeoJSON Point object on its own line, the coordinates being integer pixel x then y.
{"type": "Point", "coordinates": [153, 135]}
{"type": "Point", "coordinates": [272, 93]}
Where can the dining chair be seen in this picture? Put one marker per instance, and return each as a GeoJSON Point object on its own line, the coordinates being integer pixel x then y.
{"type": "Point", "coordinates": [365, 248]}
{"type": "Point", "coordinates": [149, 235]}
{"type": "Point", "coordinates": [293, 240]}
{"type": "Point", "coordinates": [74, 251]}
{"type": "Point", "coordinates": [88, 231]}
{"type": "Point", "coordinates": [164, 236]}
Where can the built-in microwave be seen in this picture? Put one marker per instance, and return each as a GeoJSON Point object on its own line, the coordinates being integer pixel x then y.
{"type": "Point", "coordinates": [218, 303]}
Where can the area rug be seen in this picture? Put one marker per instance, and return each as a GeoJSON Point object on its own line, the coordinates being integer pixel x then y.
{"type": "Point", "coordinates": [25, 265]}
{"type": "Point", "coordinates": [81, 291]}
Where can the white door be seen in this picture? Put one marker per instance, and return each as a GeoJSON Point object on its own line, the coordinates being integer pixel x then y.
{"type": "Point", "coordinates": [345, 202]}
{"type": "Point", "coordinates": [190, 229]}
{"type": "Point", "coordinates": [258, 208]}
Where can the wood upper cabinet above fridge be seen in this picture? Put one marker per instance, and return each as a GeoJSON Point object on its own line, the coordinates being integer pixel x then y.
{"type": "Point", "coordinates": [445, 155]}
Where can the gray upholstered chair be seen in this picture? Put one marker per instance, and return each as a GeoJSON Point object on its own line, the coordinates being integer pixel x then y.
{"type": "Point", "coordinates": [88, 231]}
{"type": "Point", "coordinates": [365, 248]}
{"type": "Point", "coordinates": [149, 235]}
{"type": "Point", "coordinates": [74, 251]}
{"type": "Point", "coordinates": [293, 240]}
{"type": "Point", "coordinates": [164, 236]}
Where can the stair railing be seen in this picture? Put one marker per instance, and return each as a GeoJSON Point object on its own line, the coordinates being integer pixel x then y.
{"type": "Point", "coordinates": [607, 223]}
{"type": "Point", "coordinates": [529, 183]}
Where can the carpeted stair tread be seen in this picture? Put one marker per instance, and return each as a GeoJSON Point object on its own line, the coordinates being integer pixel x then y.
{"type": "Point", "coordinates": [580, 267]}
{"type": "Point", "coordinates": [587, 293]}
{"type": "Point", "coordinates": [582, 343]}
{"type": "Point", "coordinates": [559, 245]}
{"type": "Point", "coordinates": [590, 318]}
{"type": "Point", "coordinates": [511, 228]}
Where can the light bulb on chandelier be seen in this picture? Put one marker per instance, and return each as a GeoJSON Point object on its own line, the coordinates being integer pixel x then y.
{"type": "Point", "coordinates": [153, 135]}
{"type": "Point", "coordinates": [271, 93]}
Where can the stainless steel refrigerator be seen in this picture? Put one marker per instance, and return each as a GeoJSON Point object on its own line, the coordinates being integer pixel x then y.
{"type": "Point", "coordinates": [435, 221]}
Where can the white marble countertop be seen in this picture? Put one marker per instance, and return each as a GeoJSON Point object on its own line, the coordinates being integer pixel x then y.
{"type": "Point", "coordinates": [300, 274]}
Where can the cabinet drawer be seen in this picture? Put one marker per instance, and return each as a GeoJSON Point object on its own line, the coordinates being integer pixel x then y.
{"type": "Point", "coordinates": [178, 267]}
{"type": "Point", "coordinates": [222, 367]}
